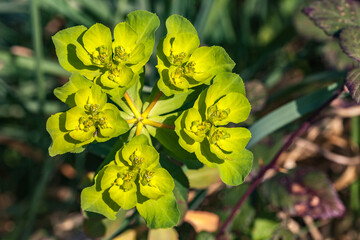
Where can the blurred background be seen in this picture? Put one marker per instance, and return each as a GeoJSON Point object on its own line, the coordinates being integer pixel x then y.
{"type": "Point", "coordinates": [282, 57]}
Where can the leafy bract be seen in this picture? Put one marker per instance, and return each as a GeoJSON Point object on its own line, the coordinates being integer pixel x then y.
{"type": "Point", "coordinates": [160, 213]}
{"type": "Point", "coordinates": [66, 93]}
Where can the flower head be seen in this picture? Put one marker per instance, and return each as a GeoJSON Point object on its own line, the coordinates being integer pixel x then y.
{"type": "Point", "coordinates": [202, 129]}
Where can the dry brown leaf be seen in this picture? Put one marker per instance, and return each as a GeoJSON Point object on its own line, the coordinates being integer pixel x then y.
{"type": "Point", "coordinates": [202, 221]}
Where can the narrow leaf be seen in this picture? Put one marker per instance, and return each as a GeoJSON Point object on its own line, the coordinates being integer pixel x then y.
{"type": "Point", "coordinates": [289, 112]}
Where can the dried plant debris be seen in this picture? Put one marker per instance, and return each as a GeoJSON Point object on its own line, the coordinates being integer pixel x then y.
{"type": "Point", "coordinates": [304, 192]}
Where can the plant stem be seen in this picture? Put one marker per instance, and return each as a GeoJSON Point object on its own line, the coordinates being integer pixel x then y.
{"type": "Point", "coordinates": [152, 104]}
{"type": "Point", "coordinates": [132, 106]}
{"type": "Point", "coordinates": [156, 124]}
{"type": "Point", "coordinates": [139, 127]}
{"type": "Point", "coordinates": [37, 43]}
{"type": "Point", "coordinates": [134, 120]}
{"type": "Point", "coordinates": [303, 128]}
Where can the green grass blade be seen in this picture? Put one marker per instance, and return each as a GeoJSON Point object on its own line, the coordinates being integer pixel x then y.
{"type": "Point", "coordinates": [289, 113]}
{"type": "Point", "coordinates": [13, 64]}
{"type": "Point", "coordinates": [38, 47]}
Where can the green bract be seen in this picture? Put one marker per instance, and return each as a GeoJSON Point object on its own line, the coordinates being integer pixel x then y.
{"type": "Point", "coordinates": [182, 64]}
{"type": "Point", "coordinates": [202, 129]}
{"type": "Point", "coordinates": [134, 179]}
{"type": "Point", "coordinates": [110, 63]}
{"type": "Point", "coordinates": [89, 119]}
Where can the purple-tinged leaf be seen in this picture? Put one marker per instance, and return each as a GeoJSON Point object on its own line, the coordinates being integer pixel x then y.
{"type": "Point", "coordinates": [353, 84]}
{"type": "Point", "coordinates": [350, 42]}
{"type": "Point", "coordinates": [304, 193]}
{"type": "Point", "coordinates": [334, 15]}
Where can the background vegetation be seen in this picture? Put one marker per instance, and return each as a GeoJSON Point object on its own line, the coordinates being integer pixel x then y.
{"type": "Point", "coordinates": [291, 68]}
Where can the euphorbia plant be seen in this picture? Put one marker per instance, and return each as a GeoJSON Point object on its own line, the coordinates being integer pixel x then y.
{"type": "Point", "coordinates": [191, 112]}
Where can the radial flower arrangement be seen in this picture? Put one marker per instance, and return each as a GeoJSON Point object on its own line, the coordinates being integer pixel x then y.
{"type": "Point", "coordinates": [106, 66]}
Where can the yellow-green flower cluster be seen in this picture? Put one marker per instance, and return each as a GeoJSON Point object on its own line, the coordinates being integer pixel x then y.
{"type": "Point", "coordinates": [203, 129]}
{"type": "Point", "coordinates": [182, 64]}
{"type": "Point", "coordinates": [133, 179]}
{"type": "Point", "coordinates": [90, 118]}
{"type": "Point", "coordinates": [110, 63]}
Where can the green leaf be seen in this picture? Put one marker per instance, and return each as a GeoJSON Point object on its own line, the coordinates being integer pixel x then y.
{"type": "Point", "coordinates": [202, 178]}
{"type": "Point", "coordinates": [66, 45]}
{"type": "Point", "coordinates": [145, 24]}
{"type": "Point", "coordinates": [334, 15]}
{"type": "Point", "coordinates": [161, 183]}
{"type": "Point", "coordinates": [350, 42]}
{"type": "Point", "coordinates": [263, 229]}
{"type": "Point", "coordinates": [177, 24]}
{"type": "Point", "coordinates": [160, 213]}
{"type": "Point", "coordinates": [224, 83]}
{"type": "Point", "coordinates": [234, 169]}
{"type": "Point", "coordinates": [100, 227]}
{"type": "Point", "coordinates": [66, 93]}
{"type": "Point", "coordinates": [98, 202]}
{"type": "Point", "coordinates": [289, 112]}
{"type": "Point", "coordinates": [181, 189]}
{"type": "Point", "coordinates": [237, 139]}
{"type": "Point", "coordinates": [96, 36]}
{"type": "Point", "coordinates": [222, 61]}
{"type": "Point", "coordinates": [125, 199]}
{"type": "Point", "coordinates": [61, 141]}
{"type": "Point", "coordinates": [353, 84]}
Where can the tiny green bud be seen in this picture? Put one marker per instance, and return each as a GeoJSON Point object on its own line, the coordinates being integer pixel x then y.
{"type": "Point", "coordinates": [218, 135]}
{"type": "Point", "coordinates": [215, 114]}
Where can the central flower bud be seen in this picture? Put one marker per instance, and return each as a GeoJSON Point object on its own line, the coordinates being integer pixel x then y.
{"type": "Point", "coordinates": [177, 59]}
{"type": "Point", "coordinates": [215, 114]}
{"type": "Point", "coordinates": [136, 158]}
{"type": "Point", "coordinates": [120, 54]}
{"type": "Point", "coordinates": [114, 73]}
{"type": "Point", "coordinates": [146, 177]}
{"type": "Point", "coordinates": [93, 118]}
{"type": "Point", "coordinates": [91, 108]}
{"type": "Point", "coordinates": [176, 75]}
{"type": "Point", "coordinates": [200, 129]}
{"type": "Point", "coordinates": [127, 179]}
{"type": "Point", "coordinates": [190, 67]}
{"type": "Point", "coordinates": [218, 135]}
{"type": "Point", "coordinates": [99, 57]}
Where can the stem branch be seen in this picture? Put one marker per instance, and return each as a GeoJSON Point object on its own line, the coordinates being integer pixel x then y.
{"type": "Point", "coordinates": [303, 128]}
{"type": "Point", "coordinates": [132, 105]}
{"type": "Point", "coordinates": [134, 120]}
{"type": "Point", "coordinates": [157, 124]}
{"type": "Point", "coordinates": [152, 104]}
{"type": "Point", "coordinates": [139, 128]}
